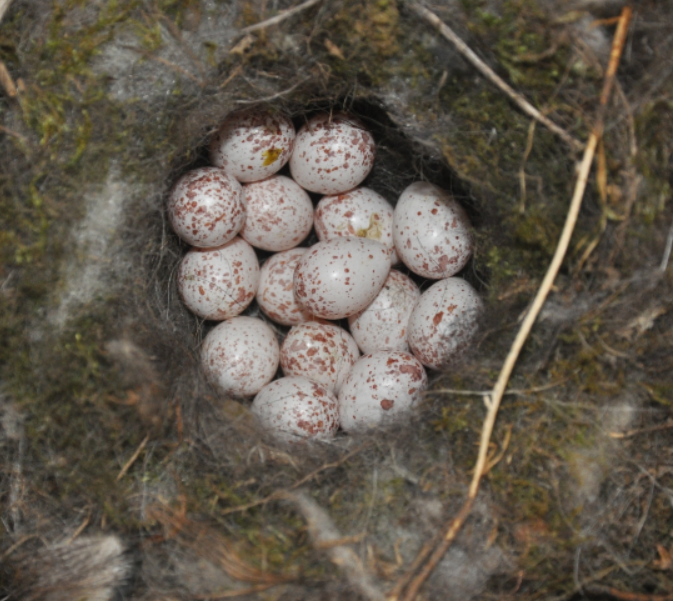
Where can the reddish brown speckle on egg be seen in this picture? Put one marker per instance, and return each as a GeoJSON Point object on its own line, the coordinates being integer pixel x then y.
{"type": "Point", "coordinates": [253, 144]}
{"type": "Point", "coordinates": [381, 387]}
{"type": "Point", "coordinates": [286, 409]}
{"type": "Point", "coordinates": [274, 225]}
{"type": "Point", "coordinates": [435, 243]}
{"type": "Point", "coordinates": [321, 352]}
{"type": "Point", "coordinates": [206, 208]}
{"type": "Point", "coordinates": [444, 322]}
{"type": "Point", "coordinates": [322, 145]}
{"type": "Point", "coordinates": [209, 285]}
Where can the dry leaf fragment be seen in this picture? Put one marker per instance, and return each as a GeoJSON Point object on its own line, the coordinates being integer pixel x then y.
{"type": "Point", "coordinates": [243, 45]}
{"type": "Point", "coordinates": [665, 561]}
{"type": "Point", "coordinates": [643, 322]}
{"type": "Point", "coordinates": [333, 49]}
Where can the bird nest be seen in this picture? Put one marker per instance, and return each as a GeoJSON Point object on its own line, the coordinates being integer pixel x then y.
{"type": "Point", "coordinates": [124, 473]}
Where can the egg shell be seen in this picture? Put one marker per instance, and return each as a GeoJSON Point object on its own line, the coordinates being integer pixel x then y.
{"type": "Point", "coordinates": [240, 356]}
{"type": "Point", "coordinates": [382, 326]}
{"type": "Point", "coordinates": [275, 295]}
{"type": "Point", "coordinates": [337, 278]}
{"type": "Point", "coordinates": [320, 352]}
{"type": "Point", "coordinates": [444, 322]}
{"type": "Point", "coordinates": [295, 408]}
{"type": "Point", "coordinates": [431, 231]}
{"type": "Point", "coordinates": [279, 214]}
{"type": "Point", "coordinates": [252, 144]}
{"type": "Point", "coordinates": [360, 212]}
{"type": "Point", "coordinates": [219, 283]}
{"type": "Point", "coordinates": [206, 207]}
{"type": "Point", "coordinates": [332, 154]}
{"type": "Point", "coordinates": [381, 388]}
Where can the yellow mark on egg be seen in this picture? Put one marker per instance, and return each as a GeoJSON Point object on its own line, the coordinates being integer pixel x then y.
{"type": "Point", "coordinates": [374, 231]}
{"type": "Point", "coordinates": [271, 155]}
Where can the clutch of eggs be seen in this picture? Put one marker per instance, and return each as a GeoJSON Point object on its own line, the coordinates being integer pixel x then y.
{"type": "Point", "coordinates": [242, 203]}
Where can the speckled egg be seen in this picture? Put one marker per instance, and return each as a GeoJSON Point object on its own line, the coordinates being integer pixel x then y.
{"type": "Point", "coordinates": [240, 356]}
{"type": "Point", "coordinates": [275, 295]}
{"type": "Point", "coordinates": [337, 278]}
{"type": "Point", "coordinates": [332, 154]}
{"type": "Point", "coordinates": [382, 326]}
{"type": "Point", "coordinates": [381, 388]}
{"type": "Point", "coordinates": [431, 231]}
{"type": "Point", "coordinates": [296, 408]}
{"type": "Point", "coordinates": [218, 283]}
{"type": "Point", "coordinates": [280, 214]}
{"type": "Point", "coordinates": [444, 322]}
{"type": "Point", "coordinates": [320, 352]}
{"type": "Point", "coordinates": [252, 144]}
{"type": "Point", "coordinates": [206, 207]}
{"type": "Point", "coordinates": [360, 212]}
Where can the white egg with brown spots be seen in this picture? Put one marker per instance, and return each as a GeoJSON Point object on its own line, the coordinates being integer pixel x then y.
{"type": "Point", "coordinates": [320, 352]}
{"type": "Point", "coordinates": [279, 214]}
{"type": "Point", "coordinates": [337, 278]}
{"type": "Point", "coordinates": [359, 213]}
{"type": "Point", "coordinates": [252, 144]}
{"type": "Point", "coordinates": [382, 326]}
{"type": "Point", "coordinates": [432, 232]}
{"type": "Point", "coordinates": [381, 388]}
{"type": "Point", "coordinates": [206, 207]}
{"type": "Point", "coordinates": [240, 356]}
{"type": "Point", "coordinates": [295, 408]}
{"type": "Point", "coordinates": [444, 322]}
{"type": "Point", "coordinates": [333, 153]}
{"type": "Point", "coordinates": [275, 295]}
{"type": "Point", "coordinates": [219, 283]}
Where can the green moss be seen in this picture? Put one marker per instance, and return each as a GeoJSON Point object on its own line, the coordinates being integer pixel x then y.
{"type": "Point", "coordinates": [654, 158]}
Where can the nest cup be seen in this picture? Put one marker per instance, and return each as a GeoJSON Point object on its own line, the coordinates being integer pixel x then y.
{"type": "Point", "coordinates": [399, 162]}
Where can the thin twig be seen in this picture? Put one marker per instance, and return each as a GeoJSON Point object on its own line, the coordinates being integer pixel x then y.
{"type": "Point", "coordinates": [237, 592]}
{"type": "Point", "coordinates": [522, 170]}
{"type": "Point", "coordinates": [135, 456]}
{"type": "Point", "coordinates": [280, 17]}
{"type": "Point", "coordinates": [630, 433]}
{"type": "Point", "coordinates": [279, 493]}
{"type": "Point", "coordinates": [469, 54]}
{"type": "Point", "coordinates": [493, 402]}
{"type": "Point", "coordinates": [6, 81]}
{"type": "Point", "coordinates": [80, 529]}
{"type": "Point", "coordinates": [177, 35]}
{"type": "Point", "coordinates": [16, 545]}
{"type": "Point", "coordinates": [4, 5]}
{"type": "Point", "coordinates": [512, 391]}
{"type": "Point", "coordinates": [5, 78]}
{"type": "Point", "coordinates": [274, 96]}
{"type": "Point", "coordinates": [667, 250]}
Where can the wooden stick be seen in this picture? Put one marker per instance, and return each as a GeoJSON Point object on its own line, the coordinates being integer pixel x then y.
{"type": "Point", "coordinates": [135, 456]}
{"type": "Point", "coordinates": [490, 74]}
{"type": "Point", "coordinates": [4, 5]}
{"type": "Point", "coordinates": [493, 402]}
{"type": "Point", "coordinates": [80, 528]}
{"type": "Point", "coordinates": [630, 433]}
{"type": "Point", "coordinates": [281, 16]}
{"type": "Point", "coordinates": [7, 82]}
{"type": "Point", "coordinates": [512, 391]}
